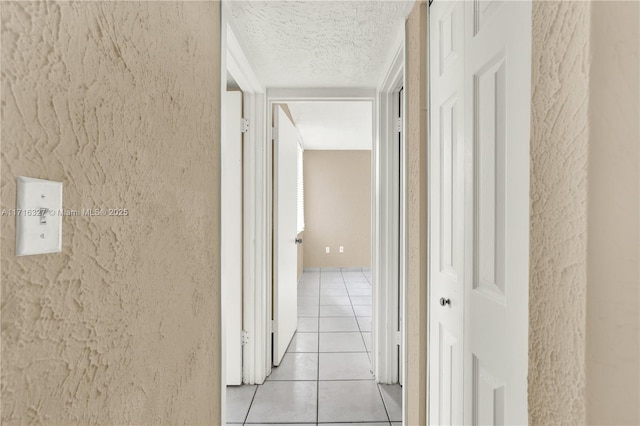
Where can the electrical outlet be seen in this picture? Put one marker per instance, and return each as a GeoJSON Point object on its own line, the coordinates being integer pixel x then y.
{"type": "Point", "coordinates": [327, 250]}
{"type": "Point", "coordinates": [341, 249]}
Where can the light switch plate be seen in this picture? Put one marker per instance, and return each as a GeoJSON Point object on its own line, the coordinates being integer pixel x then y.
{"type": "Point", "coordinates": [38, 216]}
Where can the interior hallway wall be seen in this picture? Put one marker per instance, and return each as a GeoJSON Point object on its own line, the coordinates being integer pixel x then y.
{"type": "Point", "coordinates": [613, 213]}
{"type": "Point", "coordinates": [120, 102]}
{"type": "Point", "coordinates": [416, 293]}
{"type": "Point", "coordinates": [337, 205]}
{"type": "Point", "coordinates": [585, 189]}
{"type": "Point", "coordinates": [558, 261]}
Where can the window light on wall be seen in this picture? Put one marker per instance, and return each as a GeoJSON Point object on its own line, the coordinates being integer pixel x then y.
{"type": "Point", "coordinates": [300, 191]}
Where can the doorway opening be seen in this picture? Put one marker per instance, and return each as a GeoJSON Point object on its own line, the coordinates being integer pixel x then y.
{"type": "Point", "coordinates": [322, 319]}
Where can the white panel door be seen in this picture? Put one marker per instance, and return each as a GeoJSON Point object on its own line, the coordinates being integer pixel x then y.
{"type": "Point", "coordinates": [498, 85]}
{"type": "Point", "coordinates": [446, 213]}
{"type": "Point", "coordinates": [285, 257]}
{"type": "Point", "coordinates": [231, 233]}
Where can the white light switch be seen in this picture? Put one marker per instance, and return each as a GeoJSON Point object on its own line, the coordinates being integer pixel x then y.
{"type": "Point", "coordinates": [38, 216]}
{"type": "Point", "coordinates": [327, 250]}
{"type": "Point", "coordinates": [341, 249]}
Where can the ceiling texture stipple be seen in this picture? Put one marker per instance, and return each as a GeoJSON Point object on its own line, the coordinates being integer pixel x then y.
{"type": "Point", "coordinates": [309, 44]}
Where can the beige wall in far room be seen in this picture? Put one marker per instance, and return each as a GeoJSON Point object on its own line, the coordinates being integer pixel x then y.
{"type": "Point", "coordinates": [337, 206]}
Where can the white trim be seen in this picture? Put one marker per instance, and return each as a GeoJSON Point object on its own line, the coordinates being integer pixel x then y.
{"type": "Point", "coordinates": [223, 324]}
{"type": "Point", "coordinates": [278, 96]}
{"type": "Point", "coordinates": [385, 233]}
{"type": "Point", "coordinates": [256, 276]}
{"type": "Point", "coordinates": [238, 64]}
{"type": "Point", "coordinates": [387, 270]}
{"type": "Point", "coordinates": [323, 94]}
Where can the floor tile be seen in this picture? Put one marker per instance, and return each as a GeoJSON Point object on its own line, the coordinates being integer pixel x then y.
{"type": "Point", "coordinates": [352, 269]}
{"type": "Point", "coordinates": [335, 300]}
{"type": "Point", "coordinates": [355, 401]}
{"type": "Point", "coordinates": [285, 424]}
{"type": "Point", "coordinates": [336, 279]}
{"type": "Point", "coordinates": [345, 366]}
{"type": "Point", "coordinates": [338, 324]}
{"type": "Point", "coordinates": [355, 424]}
{"type": "Point", "coordinates": [304, 342]}
{"type": "Point", "coordinates": [309, 286]}
{"type": "Point", "coordinates": [358, 292]}
{"type": "Point", "coordinates": [336, 285]}
{"type": "Point", "coordinates": [238, 402]}
{"type": "Point", "coordinates": [332, 269]}
{"type": "Point", "coordinates": [333, 292]}
{"type": "Point", "coordinates": [364, 323]}
{"type": "Point", "coordinates": [341, 342]}
{"type": "Point", "coordinates": [358, 285]}
{"type": "Point", "coordinates": [310, 279]}
{"type": "Point", "coordinates": [392, 397]}
{"type": "Point", "coordinates": [308, 301]}
{"type": "Point", "coordinates": [296, 366]}
{"type": "Point", "coordinates": [362, 311]}
{"type": "Point", "coordinates": [354, 277]}
{"type": "Point", "coordinates": [361, 300]}
{"type": "Point", "coordinates": [336, 311]}
{"type": "Point", "coordinates": [308, 292]}
{"type": "Point", "coordinates": [285, 402]}
{"type": "Point", "coordinates": [307, 325]}
{"type": "Point", "coordinates": [307, 311]}
{"type": "Point", "coordinates": [367, 341]}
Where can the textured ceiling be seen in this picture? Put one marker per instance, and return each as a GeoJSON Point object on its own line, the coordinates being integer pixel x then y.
{"type": "Point", "coordinates": [318, 43]}
{"type": "Point", "coordinates": [334, 125]}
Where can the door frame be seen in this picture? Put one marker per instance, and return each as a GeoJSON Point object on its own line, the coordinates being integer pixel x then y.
{"type": "Point", "coordinates": [235, 62]}
{"type": "Point", "coordinates": [389, 242]}
{"type": "Point", "coordinates": [284, 96]}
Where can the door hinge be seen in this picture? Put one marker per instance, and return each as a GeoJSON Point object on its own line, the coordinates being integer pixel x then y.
{"type": "Point", "coordinates": [244, 125]}
{"type": "Point", "coordinates": [399, 124]}
{"type": "Point", "coordinates": [244, 337]}
{"type": "Point", "coordinates": [274, 133]}
{"type": "Point", "coordinates": [398, 338]}
{"type": "Point", "coordinates": [272, 326]}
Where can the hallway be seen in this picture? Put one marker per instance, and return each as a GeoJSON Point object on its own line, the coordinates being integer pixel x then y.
{"type": "Point", "coordinates": [325, 376]}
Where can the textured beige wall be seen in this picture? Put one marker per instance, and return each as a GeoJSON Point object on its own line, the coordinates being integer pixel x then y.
{"type": "Point", "coordinates": [584, 288]}
{"type": "Point", "coordinates": [337, 208]}
{"type": "Point", "coordinates": [120, 102]}
{"type": "Point", "coordinates": [613, 280]}
{"type": "Point", "coordinates": [416, 295]}
{"type": "Point", "coordinates": [558, 261]}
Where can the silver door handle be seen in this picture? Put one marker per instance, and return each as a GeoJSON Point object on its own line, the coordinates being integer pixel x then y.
{"type": "Point", "coordinates": [298, 240]}
{"type": "Point", "coordinates": [444, 302]}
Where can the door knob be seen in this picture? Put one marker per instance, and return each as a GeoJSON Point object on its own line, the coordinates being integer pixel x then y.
{"type": "Point", "coordinates": [444, 301]}
{"type": "Point", "coordinates": [298, 240]}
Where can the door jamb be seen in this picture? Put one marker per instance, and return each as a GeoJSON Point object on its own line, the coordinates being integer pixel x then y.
{"type": "Point", "coordinates": [388, 242]}
{"type": "Point", "coordinates": [235, 62]}
{"type": "Point", "coordinates": [288, 95]}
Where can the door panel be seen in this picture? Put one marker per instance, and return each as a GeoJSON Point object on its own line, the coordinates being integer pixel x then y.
{"type": "Point", "coordinates": [446, 213]}
{"type": "Point", "coordinates": [285, 255]}
{"type": "Point", "coordinates": [498, 75]}
{"type": "Point", "coordinates": [231, 233]}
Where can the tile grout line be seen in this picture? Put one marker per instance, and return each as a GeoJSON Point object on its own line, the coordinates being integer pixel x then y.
{"type": "Point", "coordinates": [358, 323]}
{"type": "Point", "coordinates": [365, 347]}
{"type": "Point", "coordinates": [318, 353]}
{"type": "Point", "coordinates": [246, 416]}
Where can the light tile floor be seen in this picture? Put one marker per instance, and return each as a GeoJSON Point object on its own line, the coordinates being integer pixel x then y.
{"type": "Point", "coordinates": [325, 377]}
